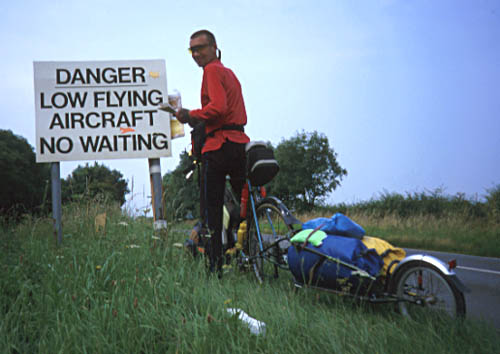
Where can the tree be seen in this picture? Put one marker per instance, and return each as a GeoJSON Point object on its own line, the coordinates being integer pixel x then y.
{"type": "Point", "coordinates": [182, 197]}
{"type": "Point", "coordinates": [90, 181]}
{"type": "Point", "coordinates": [24, 183]}
{"type": "Point", "coordinates": [308, 170]}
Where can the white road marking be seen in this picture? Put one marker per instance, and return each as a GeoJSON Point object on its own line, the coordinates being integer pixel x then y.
{"type": "Point", "coordinates": [479, 270]}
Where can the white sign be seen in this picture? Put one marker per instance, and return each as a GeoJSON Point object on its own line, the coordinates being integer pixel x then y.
{"type": "Point", "coordinates": [101, 110]}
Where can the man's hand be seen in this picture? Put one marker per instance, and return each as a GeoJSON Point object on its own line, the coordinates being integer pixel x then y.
{"type": "Point", "coordinates": [183, 116]}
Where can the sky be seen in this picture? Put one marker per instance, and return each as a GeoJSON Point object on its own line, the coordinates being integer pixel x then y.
{"type": "Point", "coordinates": [407, 92]}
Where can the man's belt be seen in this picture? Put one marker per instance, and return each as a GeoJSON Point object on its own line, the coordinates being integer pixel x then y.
{"type": "Point", "coordinates": [239, 128]}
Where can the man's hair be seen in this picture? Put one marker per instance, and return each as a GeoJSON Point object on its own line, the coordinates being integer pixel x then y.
{"type": "Point", "coordinates": [208, 34]}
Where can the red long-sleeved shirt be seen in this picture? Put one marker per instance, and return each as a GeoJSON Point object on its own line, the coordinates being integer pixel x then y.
{"type": "Point", "coordinates": [222, 104]}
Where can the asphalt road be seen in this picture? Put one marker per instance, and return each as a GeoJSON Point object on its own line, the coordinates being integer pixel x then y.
{"type": "Point", "coordinates": [482, 276]}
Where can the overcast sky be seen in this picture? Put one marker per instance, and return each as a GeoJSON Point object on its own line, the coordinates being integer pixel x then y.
{"type": "Point", "coordinates": [407, 92]}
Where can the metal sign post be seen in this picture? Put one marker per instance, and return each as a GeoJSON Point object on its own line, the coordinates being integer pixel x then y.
{"type": "Point", "coordinates": [56, 201]}
{"type": "Point", "coordinates": [156, 190]}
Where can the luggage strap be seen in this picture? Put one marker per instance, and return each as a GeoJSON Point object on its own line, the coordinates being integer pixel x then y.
{"type": "Point", "coordinates": [311, 233]}
{"type": "Point", "coordinates": [237, 127]}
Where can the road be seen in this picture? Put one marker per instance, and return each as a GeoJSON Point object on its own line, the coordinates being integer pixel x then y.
{"type": "Point", "coordinates": [482, 276]}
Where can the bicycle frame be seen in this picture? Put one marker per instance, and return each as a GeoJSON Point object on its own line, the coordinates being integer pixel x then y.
{"type": "Point", "coordinates": [289, 219]}
{"type": "Point", "coordinates": [253, 197]}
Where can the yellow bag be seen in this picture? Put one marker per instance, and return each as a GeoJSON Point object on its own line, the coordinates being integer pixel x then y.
{"type": "Point", "coordinates": [384, 249]}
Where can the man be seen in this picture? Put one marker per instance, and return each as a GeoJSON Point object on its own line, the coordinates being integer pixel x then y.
{"type": "Point", "coordinates": [223, 153]}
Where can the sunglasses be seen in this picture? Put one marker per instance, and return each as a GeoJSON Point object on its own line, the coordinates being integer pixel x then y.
{"type": "Point", "coordinates": [197, 48]}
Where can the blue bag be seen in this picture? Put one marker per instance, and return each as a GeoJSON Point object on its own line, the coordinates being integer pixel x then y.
{"type": "Point", "coordinates": [313, 269]}
{"type": "Point", "coordinates": [338, 224]}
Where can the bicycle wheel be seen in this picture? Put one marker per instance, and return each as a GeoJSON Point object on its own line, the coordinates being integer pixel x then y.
{"type": "Point", "coordinates": [267, 255]}
{"type": "Point", "coordinates": [427, 289]}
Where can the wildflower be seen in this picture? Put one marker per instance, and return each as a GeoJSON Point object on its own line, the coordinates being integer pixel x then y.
{"type": "Point", "coordinates": [227, 301]}
{"type": "Point", "coordinates": [98, 267]}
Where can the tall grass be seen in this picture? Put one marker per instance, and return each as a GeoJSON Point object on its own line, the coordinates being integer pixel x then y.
{"type": "Point", "coordinates": [428, 220]}
{"type": "Point", "coordinates": [129, 290]}
{"type": "Point", "coordinates": [448, 234]}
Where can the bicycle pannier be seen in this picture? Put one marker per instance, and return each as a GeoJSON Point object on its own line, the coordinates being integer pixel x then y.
{"type": "Point", "coordinates": [338, 224]}
{"type": "Point", "coordinates": [261, 164]}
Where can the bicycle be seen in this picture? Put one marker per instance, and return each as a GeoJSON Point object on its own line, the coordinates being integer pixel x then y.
{"type": "Point", "coordinates": [417, 283]}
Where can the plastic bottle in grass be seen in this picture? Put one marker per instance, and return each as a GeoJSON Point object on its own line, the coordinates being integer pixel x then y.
{"type": "Point", "coordinates": [256, 327]}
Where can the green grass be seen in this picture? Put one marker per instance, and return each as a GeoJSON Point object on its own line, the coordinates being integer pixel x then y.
{"type": "Point", "coordinates": [126, 291]}
{"type": "Point", "coordinates": [453, 233]}
{"type": "Point", "coordinates": [446, 234]}
{"type": "Point", "coordinates": [428, 220]}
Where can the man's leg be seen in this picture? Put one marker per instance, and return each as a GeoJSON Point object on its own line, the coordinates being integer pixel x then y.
{"type": "Point", "coordinates": [237, 168]}
{"type": "Point", "coordinates": [213, 189]}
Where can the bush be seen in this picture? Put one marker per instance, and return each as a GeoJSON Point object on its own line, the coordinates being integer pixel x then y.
{"type": "Point", "coordinates": [88, 182]}
{"type": "Point", "coordinates": [181, 196]}
{"type": "Point", "coordinates": [493, 203]}
{"type": "Point", "coordinates": [434, 203]}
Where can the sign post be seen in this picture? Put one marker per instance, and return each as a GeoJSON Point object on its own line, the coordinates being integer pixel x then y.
{"type": "Point", "coordinates": [55, 174]}
{"type": "Point", "coordinates": [101, 110]}
{"type": "Point", "coordinates": [156, 193]}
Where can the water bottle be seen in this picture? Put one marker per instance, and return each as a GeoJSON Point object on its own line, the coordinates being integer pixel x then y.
{"type": "Point", "coordinates": [242, 235]}
{"type": "Point", "coordinates": [244, 201]}
{"type": "Point", "coordinates": [256, 327]}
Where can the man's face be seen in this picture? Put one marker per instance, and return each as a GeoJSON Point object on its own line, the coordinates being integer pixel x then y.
{"type": "Point", "coordinates": [202, 52]}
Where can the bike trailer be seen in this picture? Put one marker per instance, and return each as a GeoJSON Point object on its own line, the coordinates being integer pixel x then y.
{"type": "Point", "coordinates": [338, 263]}
{"type": "Point", "coordinates": [390, 255]}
